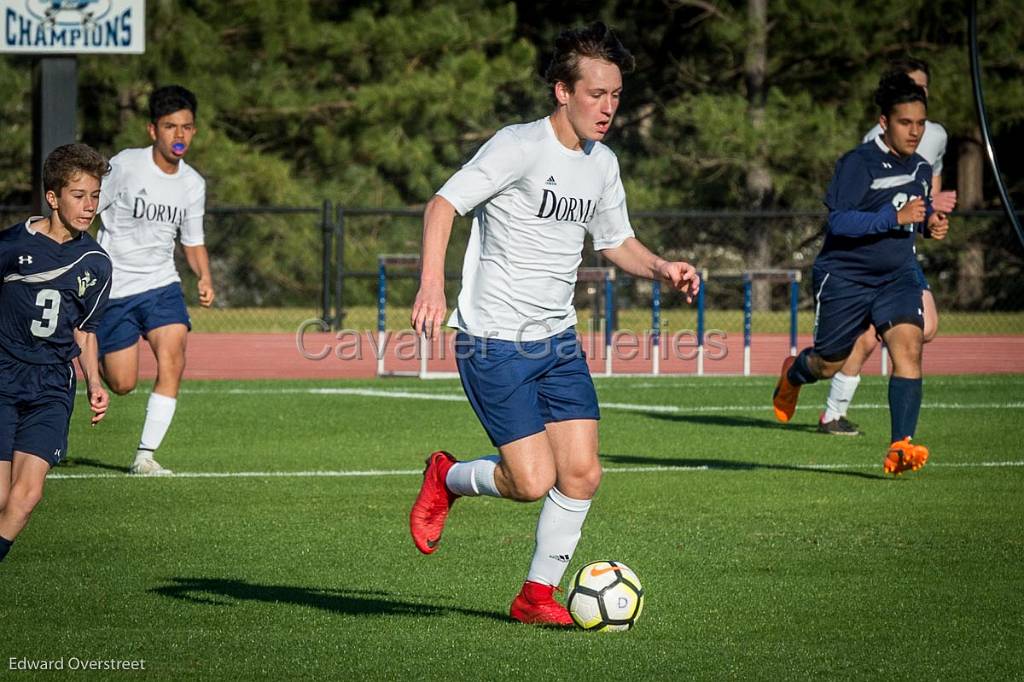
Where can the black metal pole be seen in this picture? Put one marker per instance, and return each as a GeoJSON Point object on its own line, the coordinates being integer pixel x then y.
{"type": "Point", "coordinates": [54, 110]}
{"type": "Point", "coordinates": [326, 232]}
{"type": "Point", "coordinates": [979, 104]}
{"type": "Point", "coordinates": [339, 272]}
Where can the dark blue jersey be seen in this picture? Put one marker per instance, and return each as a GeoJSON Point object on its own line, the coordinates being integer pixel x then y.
{"type": "Point", "coordinates": [863, 241]}
{"type": "Point", "coordinates": [47, 290]}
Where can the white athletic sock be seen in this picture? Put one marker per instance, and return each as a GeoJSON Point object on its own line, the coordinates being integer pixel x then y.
{"type": "Point", "coordinates": [839, 395]}
{"type": "Point", "coordinates": [558, 531]}
{"type": "Point", "coordinates": [472, 478]}
{"type": "Point", "coordinates": [159, 413]}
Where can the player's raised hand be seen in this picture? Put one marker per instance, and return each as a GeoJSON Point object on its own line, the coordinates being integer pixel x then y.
{"type": "Point", "coordinates": [429, 310]}
{"type": "Point", "coordinates": [912, 212]}
{"type": "Point", "coordinates": [683, 277]}
{"type": "Point", "coordinates": [938, 225]}
{"type": "Point", "coordinates": [205, 293]}
{"type": "Point", "coordinates": [944, 202]}
{"type": "Point", "coordinates": [99, 401]}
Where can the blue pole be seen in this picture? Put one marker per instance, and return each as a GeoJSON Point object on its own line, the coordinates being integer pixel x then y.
{"type": "Point", "coordinates": [748, 287]}
{"type": "Point", "coordinates": [700, 313]}
{"type": "Point", "coordinates": [382, 297]}
{"type": "Point", "coordinates": [656, 313]}
{"type": "Point", "coordinates": [609, 308]}
{"type": "Point", "coordinates": [794, 302]}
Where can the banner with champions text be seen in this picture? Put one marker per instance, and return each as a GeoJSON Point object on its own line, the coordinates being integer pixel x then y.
{"type": "Point", "coordinates": [73, 26]}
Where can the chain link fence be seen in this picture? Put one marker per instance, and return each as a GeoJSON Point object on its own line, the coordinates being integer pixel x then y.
{"type": "Point", "coordinates": [276, 267]}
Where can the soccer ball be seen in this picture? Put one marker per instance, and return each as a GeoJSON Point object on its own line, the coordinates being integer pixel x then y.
{"type": "Point", "coordinates": [605, 595]}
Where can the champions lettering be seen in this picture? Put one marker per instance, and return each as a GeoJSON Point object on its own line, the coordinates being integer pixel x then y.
{"type": "Point", "coordinates": [567, 209]}
{"type": "Point", "coordinates": [159, 213]}
{"type": "Point", "coordinates": [22, 30]}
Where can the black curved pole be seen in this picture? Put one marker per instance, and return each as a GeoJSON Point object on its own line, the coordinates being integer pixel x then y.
{"type": "Point", "coordinates": [979, 105]}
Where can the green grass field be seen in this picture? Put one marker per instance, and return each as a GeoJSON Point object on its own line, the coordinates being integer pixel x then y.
{"type": "Point", "coordinates": [767, 551]}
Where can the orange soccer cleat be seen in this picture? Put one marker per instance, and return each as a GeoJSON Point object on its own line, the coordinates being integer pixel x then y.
{"type": "Point", "coordinates": [430, 510]}
{"type": "Point", "coordinates": [786, 394]}
{"type": "Point", "coordinates": [535, 605]}
{"type": "Point", "coordinates": [903, 456]}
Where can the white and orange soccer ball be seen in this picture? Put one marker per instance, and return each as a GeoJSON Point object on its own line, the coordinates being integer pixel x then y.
{"type": "Point", "coordinates": [605, 596]}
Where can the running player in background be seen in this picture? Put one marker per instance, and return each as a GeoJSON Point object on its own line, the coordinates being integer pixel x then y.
{"type": "Point", "coordinates": [536, 189]}
{"type": "Point", "coordinates": [866, 274]}
{"type": "Point", "coordinates": [55, 284]}
{"type": "Point", "coordinates": [152, 195]}
{"type": "Point", "coordinates": [932, 147]}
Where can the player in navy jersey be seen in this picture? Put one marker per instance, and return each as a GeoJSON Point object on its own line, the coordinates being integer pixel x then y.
{"type": "Point", "coordinates": [932, 147]}
{"type": "Point", "coordinates": [537, 191]}
{"type": "Point", "coordinates": [879, 198]}
{"type": "Point", "coordinates": [55, 284]}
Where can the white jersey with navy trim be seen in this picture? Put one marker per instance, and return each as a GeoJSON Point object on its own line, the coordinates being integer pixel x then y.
{"type": "Point", "coordinates": [143, 209]}
{"type": "Point", "coordinates": [932, 145]}
{"type": "Point", "coordinates": [535, 201]}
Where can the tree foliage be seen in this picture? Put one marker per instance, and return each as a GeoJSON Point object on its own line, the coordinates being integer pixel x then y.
{"type": "Point", "coordinates": [373, 103]}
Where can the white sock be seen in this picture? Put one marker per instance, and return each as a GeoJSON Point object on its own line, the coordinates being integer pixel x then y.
{"type": "Point", "coordinates": [558, 531]}
{"type": "Point", "coordinates": [159, 413]}
{"type": "Point", "coordinates": [473, 478]}
{"type": "Point", "coordinates": [839, 395]}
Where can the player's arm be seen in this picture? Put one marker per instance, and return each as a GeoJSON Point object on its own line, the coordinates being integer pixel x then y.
{"type": "Point", "coordinates": [199, 261]}
{"type": "Point", "coordinates": [636, 259]}
{"type": "Point", "coordinates": [850, 184]}
{"type": "Point", "coordinates": [89, 362]}
{"type": "Point", "coordinates": [430, 306]}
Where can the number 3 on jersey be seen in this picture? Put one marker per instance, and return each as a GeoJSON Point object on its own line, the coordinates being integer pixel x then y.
{"type": "Point", "coordinates": [49, 301]}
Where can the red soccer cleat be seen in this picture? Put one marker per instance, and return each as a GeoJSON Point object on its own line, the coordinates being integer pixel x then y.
{"type": "Point", "coordinates": [429, 511]}
{"type": "Point", "coordinates": [785, 396]}
{"type": "Point", "coordinates": [535, 605]}
{"type": "Point", "coordinates": [904, 456]}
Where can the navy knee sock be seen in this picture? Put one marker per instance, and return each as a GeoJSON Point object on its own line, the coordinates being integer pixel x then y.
{"type": "Point", "coordinates": [904, 406]}
{"type": "Point", "coordinates": [5, 546]}
{"type": "Point", "coordinates": [800, 372]}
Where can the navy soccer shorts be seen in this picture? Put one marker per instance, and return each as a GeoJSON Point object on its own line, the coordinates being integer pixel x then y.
{"type": "Point", "coordinates": [126, 319]}
{"type": "Point", "coordinates": [516, 387]}
{"type": "Point", "coordinates": [844, 309]}
{"type": "Point", "coordinates": [35, 407]}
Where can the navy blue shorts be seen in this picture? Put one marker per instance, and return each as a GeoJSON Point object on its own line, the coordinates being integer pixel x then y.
{"type": "Point", "coordinates": [844, 310]}
{"type": "Point", "coordinates": [516, 387]}
{"type": "Point", "coordinates": [36, 402]}
{"type": "Point", "coordinates": [126, 319]}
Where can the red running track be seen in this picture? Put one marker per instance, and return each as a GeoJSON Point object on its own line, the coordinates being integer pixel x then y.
{"type": "Point", "coordinates": [280, 356]}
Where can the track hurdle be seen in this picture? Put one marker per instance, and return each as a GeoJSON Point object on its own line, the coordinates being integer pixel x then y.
{"type": "Point", "coordinates": [791, 276]}
{"type": "Point", "coordinates": [656, 325]}
{"type": "Point", "coordinates": [394, 261]}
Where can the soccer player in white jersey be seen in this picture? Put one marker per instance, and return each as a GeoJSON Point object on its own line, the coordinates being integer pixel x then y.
{"type": "Point", "coordinates": [536, 190]}
{"type": "Point", "coordinates": [932, 147]}
{"type": "Point", "coordinates": [151, 197]}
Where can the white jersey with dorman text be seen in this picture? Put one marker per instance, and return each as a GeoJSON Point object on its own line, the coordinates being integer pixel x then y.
{"type": "Point", "coordinates": [535, 200]}
{"type": "Point", "coordinates": [932, 145]}
{"type": "Point", "coordinates": [143, 209]}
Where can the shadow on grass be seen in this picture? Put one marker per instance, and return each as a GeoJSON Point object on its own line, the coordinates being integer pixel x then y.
{"type": "Point", "coordinates": [733, 421]}
{"type": "Point", "coordinates": [729, 465]}
{"type": "Point", "coordinates": [228, 592]}
{"type": "Point", "coordinates": [89, 462]}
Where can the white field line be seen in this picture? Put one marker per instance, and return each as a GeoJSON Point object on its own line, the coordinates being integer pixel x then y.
{"type": "Point", "coordinates": [379, 473]}
{"type": "Point", "coordinates": [632, 407]}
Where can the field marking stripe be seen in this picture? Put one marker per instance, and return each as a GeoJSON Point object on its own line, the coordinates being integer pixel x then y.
{"type": "Point", "coordinates": [370, 473]}
{"type": "Point", "coordinates": [629, 407]}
